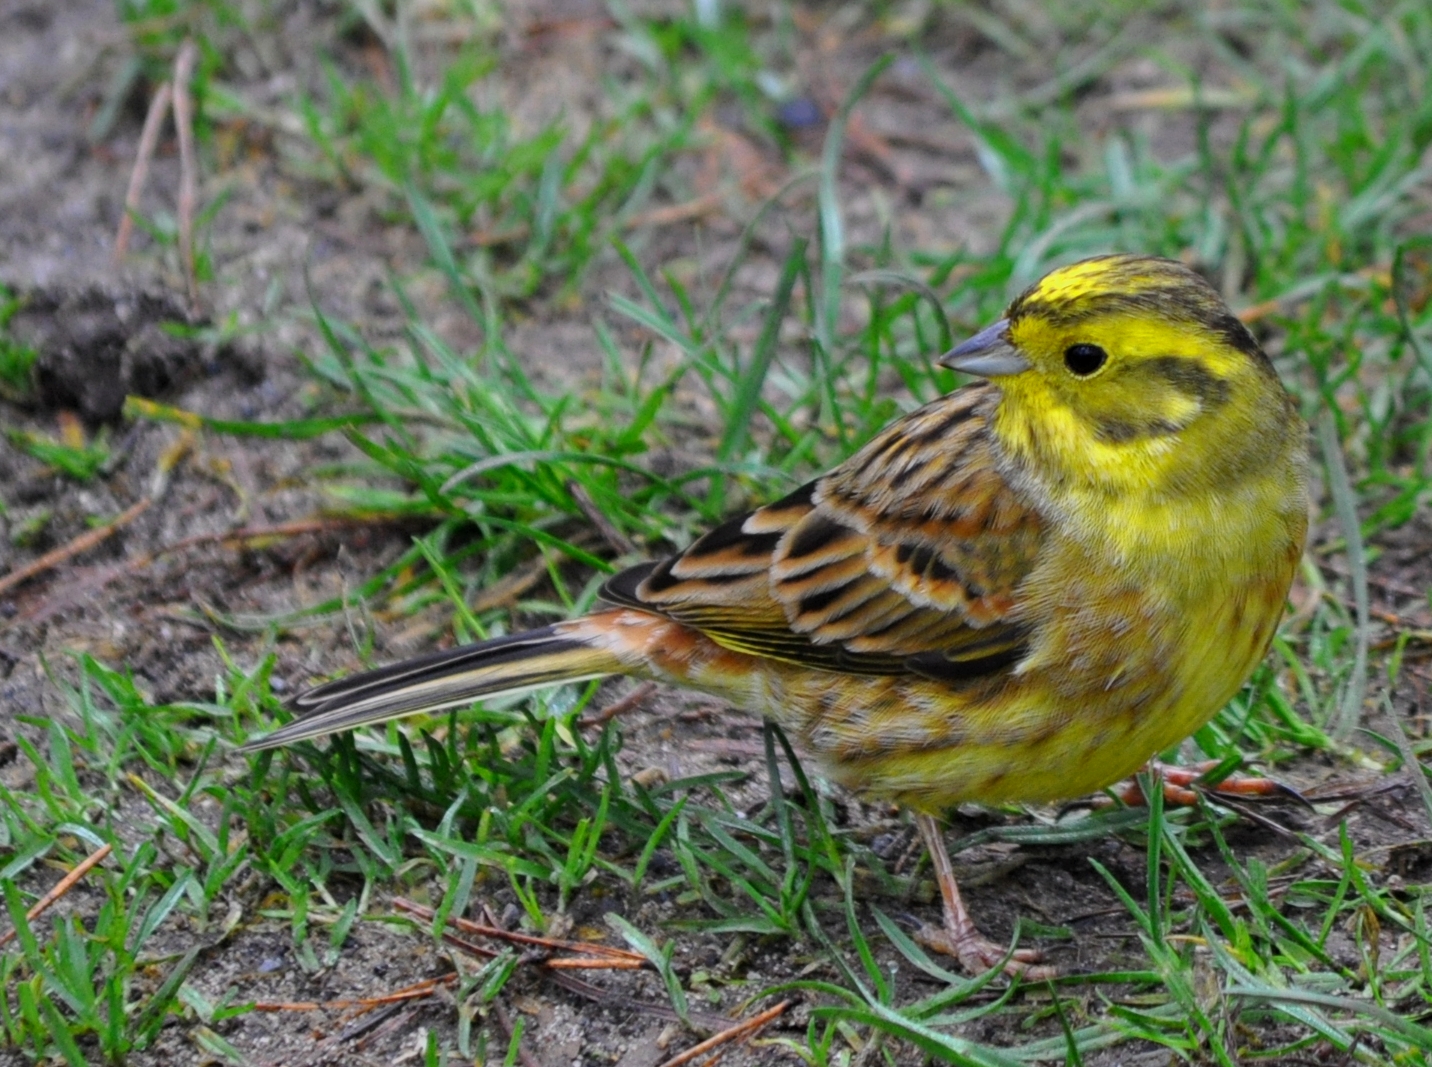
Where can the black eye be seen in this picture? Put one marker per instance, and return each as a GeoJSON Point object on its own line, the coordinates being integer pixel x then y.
{"type": "Point", "coordinates": [1084, 360]}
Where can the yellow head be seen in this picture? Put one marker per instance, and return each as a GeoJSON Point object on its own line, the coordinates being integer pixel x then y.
{"type": "Point", "coordinates": [1129, 374]}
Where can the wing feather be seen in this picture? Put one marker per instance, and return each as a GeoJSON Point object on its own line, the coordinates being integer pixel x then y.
{"type": "Point", "coordinates": [906, 558]}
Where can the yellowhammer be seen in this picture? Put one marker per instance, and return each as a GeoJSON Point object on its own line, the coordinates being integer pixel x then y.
{"type": "Point", "coordinates": [1018, 592]}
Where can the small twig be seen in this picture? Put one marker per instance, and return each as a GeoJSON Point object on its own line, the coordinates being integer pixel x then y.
{"type": "Point", "coordinates": [83, 543]}
{"type": "Point", "coordinates": [1257, 312]}
{"type": "Point", "coordinates": [364, 1031]}
{"type": "Point", "coordinates": [1252, 815]}
{"type": "Point", "coordinates": [148, 141]}
{"type": "Point", "coordinates": [188, 166]}
{"type": "Point", "coordinates": [665, 215]}
{"type": "Point", "coordinates": [570, 982]}
{"type": "Point", "coordinates": [505, 1021]}
{"type": "Point", "coordinates": [591, 955]}
{"type": "Point", "coordinates": [416, 991]}
{"type": "Point", "coordinates": [615, 1002]}
{"type": "Point", "coordinates": [1391, 585]}
{"type": "Point", "coordinates": [507, 589]}
{"type": "Point", "coordinates": [276, 532]}
{"type": "Point", "coordinates": [587, 963]}
{"type": "Point", "coordinates": [1359, 791]}
{"type": "Point", "coordinates": [669, 213]}
{"type": "Point", "coordinates": [734, 1033]}
{"type": "Point", "coordinates": [619, 707]}
{"type": "Point", "coordinates": [63, 886]}
{"type": "Point", "coordinates": [621, 544]}
{"type": "Point", "coordinates": [472, 948]}
{"type": "Point", "coordinates": [87, 584]}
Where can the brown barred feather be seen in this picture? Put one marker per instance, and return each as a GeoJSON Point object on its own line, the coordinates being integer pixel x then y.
{"type": "Point", "coordinates": [913, 547]}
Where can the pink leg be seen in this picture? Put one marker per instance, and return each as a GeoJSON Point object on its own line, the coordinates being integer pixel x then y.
{"type": "Point", "coordinates": [959, 937]}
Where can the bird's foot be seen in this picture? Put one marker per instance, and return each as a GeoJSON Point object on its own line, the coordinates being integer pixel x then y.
{"type": "Point", "coordinates": [978, 953]}
{"type": "Point", "coordinates": [1179, 783]}
{"type": "Point", "coordinates": [958, 936]}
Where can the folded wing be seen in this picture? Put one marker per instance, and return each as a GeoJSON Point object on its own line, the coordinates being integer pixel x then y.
{"type": "Point", "coordinates": [905, 558]}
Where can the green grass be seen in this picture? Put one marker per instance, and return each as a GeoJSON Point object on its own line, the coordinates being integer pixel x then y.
{"type": "Point", "coordinates": [1298, 190]}
{"type": "Point", "coordinates": [80, 461]}
{"type": "Point", "coordinates": [17, 360]}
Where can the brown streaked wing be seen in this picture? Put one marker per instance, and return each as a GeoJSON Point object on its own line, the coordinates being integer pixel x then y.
{"type": "Point", "coordinates": [946, 540]}
{"type": "Point", "coordinates": [903, 559]}
{"type": "Point", "coordinates": [722, 579]}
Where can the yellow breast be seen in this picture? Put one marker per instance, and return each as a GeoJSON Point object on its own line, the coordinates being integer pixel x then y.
{"type": "Point", "coordinates": [1128, 662]}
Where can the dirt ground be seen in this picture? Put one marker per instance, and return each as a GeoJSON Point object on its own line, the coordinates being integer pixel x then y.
{"type": "Point", "coordinates": [96, 325]}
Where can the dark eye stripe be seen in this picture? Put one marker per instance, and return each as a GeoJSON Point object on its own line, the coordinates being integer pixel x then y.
{"type": "Point", "coordinates": [1120, 430]}
{"type": "Point", "coordinates": [1187, 376]}
{"type": "Point", "coordinates": [1191, 377]}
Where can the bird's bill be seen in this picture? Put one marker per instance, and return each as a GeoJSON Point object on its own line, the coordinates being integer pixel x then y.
{"type": "Point", "coordinates": [988, 354]}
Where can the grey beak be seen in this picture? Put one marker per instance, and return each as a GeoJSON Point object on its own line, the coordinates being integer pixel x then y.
{"type": "Point", "coordinates": [988, 354]}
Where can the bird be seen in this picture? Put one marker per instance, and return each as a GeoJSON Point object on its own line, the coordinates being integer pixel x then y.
{"type": "Point", "coordinates": [1019, 592]}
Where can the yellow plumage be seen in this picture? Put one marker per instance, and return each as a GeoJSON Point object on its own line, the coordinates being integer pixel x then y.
{"type": "Point", "coordinates": [1021, 591]}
